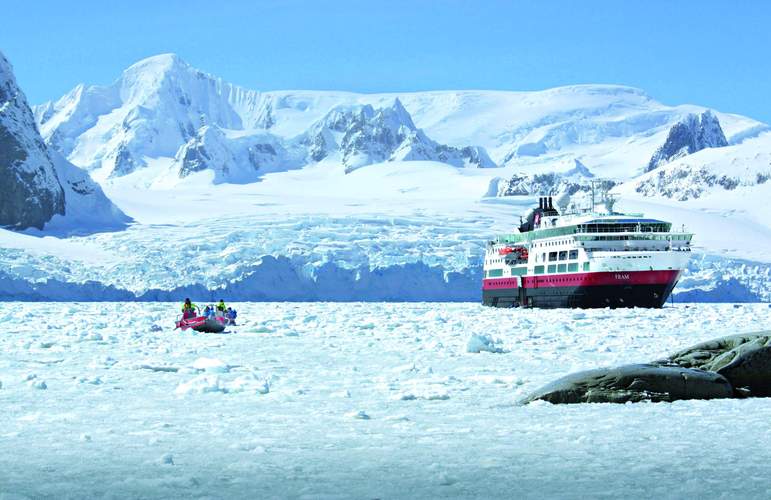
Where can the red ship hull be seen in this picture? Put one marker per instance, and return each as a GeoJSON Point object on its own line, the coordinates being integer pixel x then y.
{"type": "Point", "coordinates": [598, 289]}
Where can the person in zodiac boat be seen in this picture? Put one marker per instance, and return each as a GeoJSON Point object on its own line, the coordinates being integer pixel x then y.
{"type": "Point", "coordinates": [205, 323]}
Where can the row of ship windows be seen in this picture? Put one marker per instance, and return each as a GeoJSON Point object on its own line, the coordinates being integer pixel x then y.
{"type": "Point", "coordinates": [673, 237]}
{"type": "Point", "coordinates": [551, 268]}
{"type": "Point", "coordinates": [637, 249]}
{"type": "Point", "coordinates": [497, 273]}
{"type": "Point", "coordinates": [563, 255]}
{"type": "Point", "coordinates": [552, 243]}
{"type": "Point", "coordinates": [560, 268]}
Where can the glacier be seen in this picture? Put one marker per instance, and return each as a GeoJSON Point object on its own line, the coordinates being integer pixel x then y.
{"type": "Point", "coordinates": [389, 232]}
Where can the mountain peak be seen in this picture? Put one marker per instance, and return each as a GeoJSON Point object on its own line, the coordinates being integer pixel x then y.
{"type": "Point", "coordinates": [152, 72]}
{"type": "Point", "coordinates": [688, 136]}
{"type": "Point", "coordinates": [401, 114]}
{"type": "Point", "coordinates": [6, 70]}
{"type": "Point", "coordinates": [158, 63]}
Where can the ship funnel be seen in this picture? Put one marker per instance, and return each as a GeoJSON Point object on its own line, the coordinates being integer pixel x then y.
{"type": "Point", "coordinates": [551, 207]}
{"type": "Point", "coordinates": [540, 203]}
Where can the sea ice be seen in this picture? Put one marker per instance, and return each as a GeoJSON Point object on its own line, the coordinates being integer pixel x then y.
{"type": "Point", "coordinates": [295, 402]}
{"type": "Point", "coordinates": [478, 343]}
{"type": "Point", "coordinates": [211, 365]}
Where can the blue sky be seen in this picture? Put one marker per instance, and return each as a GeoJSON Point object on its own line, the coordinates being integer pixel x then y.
{"type": "Point", "coordinates": [705, 52]}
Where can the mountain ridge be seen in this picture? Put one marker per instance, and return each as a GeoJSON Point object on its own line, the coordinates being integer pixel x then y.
{"type": "Point", "coordinates": [158, 105]}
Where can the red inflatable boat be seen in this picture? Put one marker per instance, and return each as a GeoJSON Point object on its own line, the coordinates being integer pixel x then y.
{"type": "Point", "coordinates": [203, 324]}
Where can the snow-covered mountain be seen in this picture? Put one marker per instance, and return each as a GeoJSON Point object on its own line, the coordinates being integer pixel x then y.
{"type": "Point", "coordinates": [40, 184]}
{"type": "Point", "coordinates": [710, 171]}
{"type": "Point", "coordinates": [163, 108]}
{"type": "Point", "coordinates": [353, 136]}
{"type": "Point", "coordinates": [694, 133]}
{"type": "Point", "coordinates": [156, 105]}
{"type": "Point", "coordinates": [235, 159]}
{"type": "Point", "coordinates": [569, 184]}
{"type": "Point", "coordinates": [361, 135]}
{"type": "Point", "coordinates": [550, 183]}
{"type": "Point", "coordinates": [159, 105]}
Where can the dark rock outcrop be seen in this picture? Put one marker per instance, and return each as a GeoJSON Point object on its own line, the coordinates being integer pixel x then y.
{"type": "Point", "coordinates": [745, 360]}
{"type": "Point", "coordinates": [733, 366]}
{"type": "Point", "coordinates": [694, 133]}
{"type": "Point", "coordinates": [634, 383]}
{"type": "Point", "coordinates": [32, 193]}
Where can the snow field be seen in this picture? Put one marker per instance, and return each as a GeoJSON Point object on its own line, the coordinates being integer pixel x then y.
{"type": "Point", "coordinates": [352, 400]}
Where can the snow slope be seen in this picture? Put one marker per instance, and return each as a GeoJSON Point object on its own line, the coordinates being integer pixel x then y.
{"type": "Point", "coordinates": [361, 401]}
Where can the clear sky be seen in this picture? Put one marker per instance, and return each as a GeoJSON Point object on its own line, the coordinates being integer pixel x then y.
{"type": "Point", "coordinates": [713, 53]}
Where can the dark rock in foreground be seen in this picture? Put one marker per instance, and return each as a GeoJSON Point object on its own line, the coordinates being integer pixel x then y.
{"type": "Point", "coordinates": [733, 366]}
{"type": "Point", "coordinates": [634, 383]}
{"type": "Point", "coordinates": [745, 360]}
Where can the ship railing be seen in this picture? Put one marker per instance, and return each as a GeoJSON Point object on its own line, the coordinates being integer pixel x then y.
{"type": "Point", "coordinates": [586, 230]}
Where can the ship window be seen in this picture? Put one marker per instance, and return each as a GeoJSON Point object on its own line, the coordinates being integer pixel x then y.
{"type": "Point", "coordinates": [573, 267]}
{"type": "Point", "coordinates": [495, 273]}
{"type": "Point", "coordinates": [561, 268]}
{"type": "Point", "coordinates": [518, 271]}
{"type": "Point", "coordinates": [586, 266]}
{"type": "Point", "coordinates": [552, 256]}
{"type": "Point", "coordinates": [552, 268]}
{"type": "Point", "coordinates": [573, 254]}
{"type": "Point", "coordinates": [538, 269]}
{"type": "Point", "coordinates": [563, 255]}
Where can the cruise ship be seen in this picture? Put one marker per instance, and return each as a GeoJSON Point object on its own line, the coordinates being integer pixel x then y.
{"type": "Point", "coordinates": [589, 259]}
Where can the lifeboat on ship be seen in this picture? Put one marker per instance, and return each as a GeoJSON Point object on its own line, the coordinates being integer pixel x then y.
{"type": "Point", "coordinates": [514, 253]}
